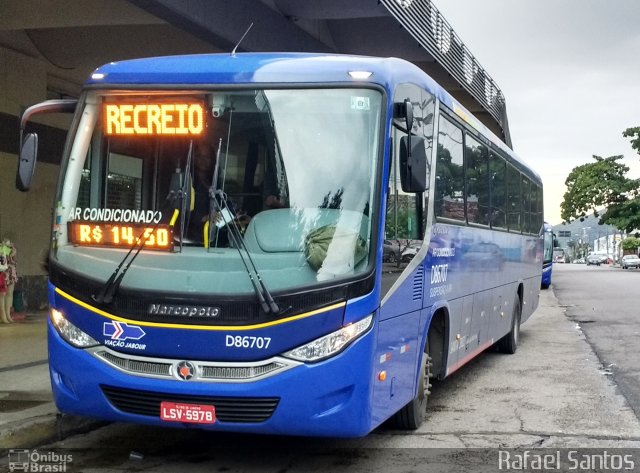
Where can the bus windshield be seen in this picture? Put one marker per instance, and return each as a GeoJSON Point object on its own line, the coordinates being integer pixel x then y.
{"type": "Point", "coordinates": [203, 179]}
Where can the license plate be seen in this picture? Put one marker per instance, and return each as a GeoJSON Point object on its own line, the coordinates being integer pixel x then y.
{"type": "Point", "coordinates": [190, 413]}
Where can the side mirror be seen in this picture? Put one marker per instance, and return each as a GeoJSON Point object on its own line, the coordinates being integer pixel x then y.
{"type": "Point", "coordinates": [29, 142]}
{"type": "Point", "coordinates": [408, 115]}
{"type": "Point", "coordinates": [413, 164]}
{"type": "Point", "coordinates": [27, 162]}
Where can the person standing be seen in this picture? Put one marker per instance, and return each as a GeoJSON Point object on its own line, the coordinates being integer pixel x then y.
{"type": "Point", "coordinates": [8, 279]}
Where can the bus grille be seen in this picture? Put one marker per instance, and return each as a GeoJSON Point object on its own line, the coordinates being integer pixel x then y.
{"type": "Point", "coordinates": [137, 366]}
{"type": "Point", "coordinates": [228, 409]}
{"type": "Point", "coordinates": [209, 371]}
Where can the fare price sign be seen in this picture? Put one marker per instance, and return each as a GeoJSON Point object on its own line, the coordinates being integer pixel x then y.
{"type": "Point", "coordinates": [120, 235]}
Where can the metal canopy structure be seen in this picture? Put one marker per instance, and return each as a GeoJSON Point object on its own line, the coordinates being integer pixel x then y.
{"type": "Point", "coordinates": [73, 37]}
{"type": "Point", "coordinates": [409, 29]}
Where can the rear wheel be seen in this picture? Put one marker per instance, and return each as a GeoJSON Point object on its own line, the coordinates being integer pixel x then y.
{"type": "Point", "coordinates": [411, 416]}
{"type": "Point", "coordinates": [509, 343]}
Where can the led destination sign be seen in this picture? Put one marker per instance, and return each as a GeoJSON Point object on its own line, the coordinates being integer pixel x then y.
{"type": "Point", "coordinates": [120, 235]}
{"type": "Point", "coordinates": [180, 119]}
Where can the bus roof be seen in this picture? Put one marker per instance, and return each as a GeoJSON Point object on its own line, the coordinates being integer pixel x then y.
{"type": "Point", "coordinates": [281, 68]}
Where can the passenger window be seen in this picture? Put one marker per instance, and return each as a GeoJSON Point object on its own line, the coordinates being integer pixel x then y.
{"type": "Point", "coordinates": [124, 182]}
{"type": "Point", "coordinates": [84, 193]}
{"type": "Point", "coordinates": [526, 205]}
{"type": "Point", "coordinates": [449, 192]}
{"type": "Point", "coordinates": [477, 177]}
{"type": "Point", "coordinates": [533, 218]}
{"type": "Point", "coordinates": [497, 176]}
{"type": "Point", "coordinates": [514, 199]}
{"type": "Point", "coordinates": [540, 209]}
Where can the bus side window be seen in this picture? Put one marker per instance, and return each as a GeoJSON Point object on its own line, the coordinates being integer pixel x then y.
{"type": "Point", "coordinates": [477, 181]}
{"type": "Point", "coordinates": [526, 205]}
{"type": "Point", "coordinates": [514, 198]}
{"type": "Point", "coordinates": [533, 217]}
{"type": "Point", "coordinates": [449, 195]}
{"type": "Point", "coordinates": [497, 174]}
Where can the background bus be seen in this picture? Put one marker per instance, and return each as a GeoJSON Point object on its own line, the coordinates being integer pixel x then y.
{"type": "Point", "coordinates": [547, 256]}
{"type": "Point", "coordinates": [218, 241]}
{"type": "Point", "coordinates": [559, 255]}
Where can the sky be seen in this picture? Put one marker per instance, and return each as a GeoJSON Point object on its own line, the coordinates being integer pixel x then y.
{"type": "Point", "coordinates": [570, 74]}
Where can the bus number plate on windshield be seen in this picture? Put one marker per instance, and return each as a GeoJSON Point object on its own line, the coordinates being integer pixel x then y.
{"type": "Point", "coordinates": [190, 413]}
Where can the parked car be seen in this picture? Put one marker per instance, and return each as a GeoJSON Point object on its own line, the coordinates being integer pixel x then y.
{"type": "Point", "coordinates": [391, 251]}
{"type": "Point", "coordinates": [594, 259]}
{"type": "Point", "coordinates": [410, 251]}
{"type": "Point", "coordinates": [630, 261]}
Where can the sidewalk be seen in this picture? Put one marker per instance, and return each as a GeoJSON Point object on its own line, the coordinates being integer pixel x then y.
{"type": "Point", "coordinates": [28, 415]}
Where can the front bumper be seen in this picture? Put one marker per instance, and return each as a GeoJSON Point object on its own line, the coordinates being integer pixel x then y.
{"type": "Point", "coordinates": [330, 398]}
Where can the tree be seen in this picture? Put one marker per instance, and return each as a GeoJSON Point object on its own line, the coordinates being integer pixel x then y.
{"type": "Point", "coordinates": [631, 244]}
{"type": "Point", "coordinates": [604, 183]}
{"type": "Point", "coordinates": [634, 134]}
{"type": "Point", "coordinates": [333, 202]}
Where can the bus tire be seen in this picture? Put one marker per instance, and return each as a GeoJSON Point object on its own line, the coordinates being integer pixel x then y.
{"type": "Point", "coordinates": [411, 416]}
{"type": "Point", "coordinates": [509, 343]}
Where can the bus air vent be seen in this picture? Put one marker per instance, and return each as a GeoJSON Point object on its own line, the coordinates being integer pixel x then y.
{"type": "Point", "coordinates": [228, 409]}
{"type": "Point", "coordinates": [417, 283]}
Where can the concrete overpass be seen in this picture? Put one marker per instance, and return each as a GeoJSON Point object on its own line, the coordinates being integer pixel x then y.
{"type": "Point", "coordinates": [47, 49]}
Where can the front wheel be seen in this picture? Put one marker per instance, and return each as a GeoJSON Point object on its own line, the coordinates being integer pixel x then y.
{"type": "Point", "coordinates": [509, 343]}
{"type": "Point", "coordinates": [411, 416]}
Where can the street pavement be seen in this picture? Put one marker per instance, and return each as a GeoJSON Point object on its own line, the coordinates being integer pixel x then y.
{"type": "Point", "coordinates": [28, 415]}
{"type": "Point", "coordinates": [554, 392]}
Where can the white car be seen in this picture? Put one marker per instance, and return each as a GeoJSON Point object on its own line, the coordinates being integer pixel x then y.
{"type": "Point", "coordinates": [630, 261]}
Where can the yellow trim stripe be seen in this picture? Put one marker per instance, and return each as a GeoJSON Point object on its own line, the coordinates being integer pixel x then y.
{"type": "Point", "coordinates": [228, 328]}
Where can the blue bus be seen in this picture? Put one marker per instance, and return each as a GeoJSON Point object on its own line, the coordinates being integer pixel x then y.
{"type": "Point", "coordinates": [217, 243]}
{"type": "Point", "coordinates": [547, 258]}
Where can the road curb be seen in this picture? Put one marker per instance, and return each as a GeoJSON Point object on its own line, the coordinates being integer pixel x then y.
{"type": "Point", "coordinates": [44, 429]}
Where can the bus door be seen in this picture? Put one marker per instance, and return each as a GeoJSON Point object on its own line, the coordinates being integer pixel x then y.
{"type": "Point", "coordinates": [403, 278]}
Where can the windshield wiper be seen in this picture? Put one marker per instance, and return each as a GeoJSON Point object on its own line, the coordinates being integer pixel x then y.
{"type": "Point", "coordinates": [264, 296]}
{"type": "Point", "coordinates": [109, 289]}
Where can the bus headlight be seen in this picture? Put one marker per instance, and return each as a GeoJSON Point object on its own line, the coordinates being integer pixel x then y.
{"type": "Point", "coordinates": [331, 344]}
{"type": "Point", "coordinates": [70, 332]}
